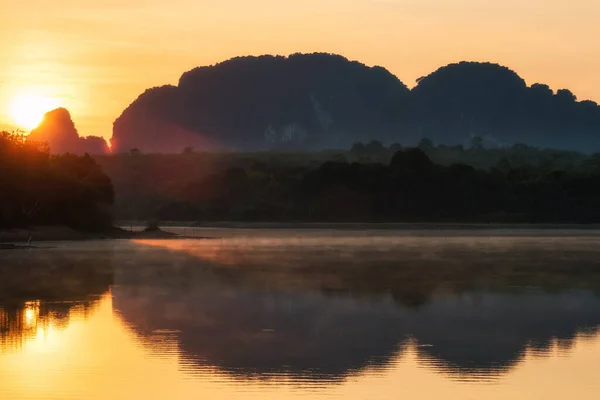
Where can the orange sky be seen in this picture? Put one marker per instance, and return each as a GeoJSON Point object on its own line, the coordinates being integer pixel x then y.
{"type": "Point", "coordinates": [97, 58]}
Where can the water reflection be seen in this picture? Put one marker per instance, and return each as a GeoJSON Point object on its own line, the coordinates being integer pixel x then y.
{"type": "Point", "coordinates": [42, 292]}
{"type": "Point", "coordinates": [273, 318]}
{"type": "Point", "coordinates": [486, 334]}
{"type": "Point", "coordinates": [468, 309]}
{"type": "Point", "coordinates": [23, 323]}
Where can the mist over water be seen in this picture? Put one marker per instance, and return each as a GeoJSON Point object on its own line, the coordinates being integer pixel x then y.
{"type": "Point", "coordinates": [304, 314]}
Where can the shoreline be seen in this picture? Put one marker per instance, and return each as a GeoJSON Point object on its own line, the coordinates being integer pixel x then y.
{"type": "Point", "coordinates": [190, 225]}
{"type": "Point", "coordinates": [15, 238]}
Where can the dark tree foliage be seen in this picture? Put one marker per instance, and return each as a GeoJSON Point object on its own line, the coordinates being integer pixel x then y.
{"type": "Point", "coordinates": [194, 186]}
{"type": "Point", "coordinates": [37, 188]}
{"type": "Point", "coordinates": [410, 188]}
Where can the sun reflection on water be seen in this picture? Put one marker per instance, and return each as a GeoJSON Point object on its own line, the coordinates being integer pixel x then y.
{"type": "Point", "coordinates": [36, 326]}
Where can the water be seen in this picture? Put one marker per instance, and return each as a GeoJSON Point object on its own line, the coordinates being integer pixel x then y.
{"type": "Point", "coordinates": [304, 314]}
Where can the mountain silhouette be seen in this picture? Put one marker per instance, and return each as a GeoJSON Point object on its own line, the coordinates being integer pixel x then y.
{"type": "Point", "coordinates": [303, 101]}
{"type": "Point", "coordinates": [309, 101]}
{"type": "Point", "coordinates": [468, 99]}
{"type": "Point", "coordinates": [58, 130]}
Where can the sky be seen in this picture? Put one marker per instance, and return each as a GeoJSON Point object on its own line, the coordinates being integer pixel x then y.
{"type": "Point", "coordinates": [95, 58]}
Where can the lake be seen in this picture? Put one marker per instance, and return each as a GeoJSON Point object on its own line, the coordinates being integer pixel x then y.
{"type": "Point", "coordinates": [305, 314]}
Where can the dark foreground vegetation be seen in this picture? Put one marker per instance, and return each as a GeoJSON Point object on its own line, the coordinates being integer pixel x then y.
{"type": "Point", "coordinates": [370, 183]}
{"type": "Point", "coordinates": [39, 189]}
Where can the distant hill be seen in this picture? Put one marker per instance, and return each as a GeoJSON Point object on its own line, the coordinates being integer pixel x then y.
{"type": "Point", "coordinates": [58, 130]}
{"type": "Point", "coordinates": [460, 101]}
{"type": "Point", "coordinates": [313, 101]}
{"type": "Point", "coordinates": [302, 101]}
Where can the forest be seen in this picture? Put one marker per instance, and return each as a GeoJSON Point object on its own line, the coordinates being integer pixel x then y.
{"type": "Point", "coordinates": [37, 188]}
{"type": "Point", "coordinates": [368, 183]}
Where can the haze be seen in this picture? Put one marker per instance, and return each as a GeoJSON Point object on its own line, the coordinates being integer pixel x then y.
{"type": "Point", "coordinates": [95, 59]}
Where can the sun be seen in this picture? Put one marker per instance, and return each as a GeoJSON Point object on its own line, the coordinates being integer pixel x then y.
{"type": "Point", "coordinates": [27, 109]}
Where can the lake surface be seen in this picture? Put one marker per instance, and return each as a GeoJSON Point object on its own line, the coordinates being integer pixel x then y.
{"type": "Point", "coordinates": [284, 314]}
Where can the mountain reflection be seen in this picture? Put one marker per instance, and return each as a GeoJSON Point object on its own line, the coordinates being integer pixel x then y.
{"type": "Point", "coordinates": [326, 309]}
{"type": "Point", "coordinates": [488, 333]}
{"type": "Point", "coordinates": [43, 290]}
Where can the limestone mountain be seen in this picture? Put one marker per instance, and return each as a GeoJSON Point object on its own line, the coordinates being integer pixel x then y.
{"type": "Point", "coordinates": [311, 101]}
{"type": "Point", "coordinates": [302, 101]}
{"type": "Point", "coordinates": [58, 130]}
{"type": "Point", "coordinates": [468, 99]}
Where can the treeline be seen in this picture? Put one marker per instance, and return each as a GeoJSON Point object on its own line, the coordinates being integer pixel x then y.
{"type": "Point", "coordinates": [39, 189]}
{"type": "Point", "coordinates": [149, 185]}
{"type": "Point", "coordinates": [479, 154]}
{"type": "Point", "coordinates": [410, 188]}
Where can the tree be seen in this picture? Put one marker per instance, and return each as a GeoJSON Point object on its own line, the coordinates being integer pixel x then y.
{"type": "Point", "coordinates": [566, 96]}
{"type": "Point", "coordinates": [36, 188]}
{"type": "Point", "coordinates": [411, 162]}
{"type": "Point", "coordinates": [477, 143]}
{"type": "Point", "coordinates": [374, 147]}
{"type": "Point", "coordinates": [425, 144]}
{"type": "Point", "coordinates": [395, 147]}
{"type": "Point", "coordinates": [358, 149]}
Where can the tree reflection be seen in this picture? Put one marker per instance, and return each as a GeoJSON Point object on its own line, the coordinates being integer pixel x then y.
{"type": "Point", "coordinates": [256, 311]}
{"type": "Point", "coordinates": [20, 323]}
{"type": "Point", "coordinates": [44, 289]}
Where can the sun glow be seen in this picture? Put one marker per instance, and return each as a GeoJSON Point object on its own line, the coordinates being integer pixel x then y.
{"type": "Point", "coordinates": [28, 108]}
